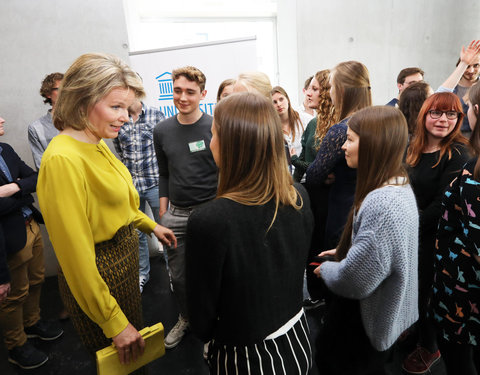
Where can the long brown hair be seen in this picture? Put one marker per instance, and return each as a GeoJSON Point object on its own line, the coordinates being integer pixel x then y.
{"type": "Point", "coordinates": [252, 162]}
{"type": "Point", "coordinates": [383, 136]}
{"type": "Point", "coordinates": [325, 111]}
{"type": "Point", "coordinates": [474, 99]}
{"type": "Point", "coordinates": [351, 82]}
{"type": "Point", "coordinates": [442, 101]}
{"type": "Point", "coordinates": [411, 101]}
{"type": "Point", "coordinates": [293, 116]}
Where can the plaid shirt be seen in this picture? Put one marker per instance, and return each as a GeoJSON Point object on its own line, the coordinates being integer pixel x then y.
{"type": "Point", "coordinates": [134, 145]}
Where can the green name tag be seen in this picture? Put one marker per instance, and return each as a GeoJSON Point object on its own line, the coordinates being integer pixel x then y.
{"type": "Point", "coordinates": [197, 146]}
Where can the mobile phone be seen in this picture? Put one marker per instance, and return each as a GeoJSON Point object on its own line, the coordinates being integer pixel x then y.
{"type": "Point", "coordinates": [317, 260]}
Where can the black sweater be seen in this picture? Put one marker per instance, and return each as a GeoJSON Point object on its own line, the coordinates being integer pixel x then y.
{"type": "Point", "coordinates": [243, 283]}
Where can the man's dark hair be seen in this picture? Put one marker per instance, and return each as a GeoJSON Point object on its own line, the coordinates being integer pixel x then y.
{"type": "Point", "coordinates": [47, 85]}
{"type": "Point", "coordinates": [404, 73]}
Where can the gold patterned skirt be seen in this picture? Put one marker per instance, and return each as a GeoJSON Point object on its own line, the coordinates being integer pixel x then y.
{"type": "Point", "coordinates": [117, 263]}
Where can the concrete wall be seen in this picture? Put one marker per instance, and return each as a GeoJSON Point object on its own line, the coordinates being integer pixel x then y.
{"type": "Point", "coordinates": [385, 35]}
{"type": "Point", "coordinates": [40, 37]}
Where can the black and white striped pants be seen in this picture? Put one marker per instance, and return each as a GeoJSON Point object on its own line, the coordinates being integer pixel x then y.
{"type": "Point", "coordinates": [288, 354]}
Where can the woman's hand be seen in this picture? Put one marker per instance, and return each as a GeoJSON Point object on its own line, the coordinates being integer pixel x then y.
{"type": "Point", "coordinates": [130, 344]}
{"type": "Point", "coordinates": [331, 252]}
{"type": "Point", "coordinates": [468, 55]}
{"type": "Point", "coordinates": [8, 190]}
{"type": "Point", "coordinates": [4, 290]}
{"type": "Point", "coordinates": [165, 236]}
{"type": "Point", "coordinates": [292, 151]}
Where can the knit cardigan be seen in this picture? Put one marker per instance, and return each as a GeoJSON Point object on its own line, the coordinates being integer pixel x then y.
{"type": "Point", "coordinates": [380, 269]}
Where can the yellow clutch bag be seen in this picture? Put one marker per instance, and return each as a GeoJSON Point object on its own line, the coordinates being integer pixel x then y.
{"type": "Point", "coordinates": [109, 364]}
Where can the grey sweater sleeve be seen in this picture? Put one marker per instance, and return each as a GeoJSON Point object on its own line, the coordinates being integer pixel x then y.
{"type": "Point", "coordinates": [368, 262]}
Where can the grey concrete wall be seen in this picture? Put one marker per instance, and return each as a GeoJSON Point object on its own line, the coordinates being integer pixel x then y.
{"type": "Point", "coordinates": [40, 37]}
{"type": "Point", "coordinates": [385, 35]}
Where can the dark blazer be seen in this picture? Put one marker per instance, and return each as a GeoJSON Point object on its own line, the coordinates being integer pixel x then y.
{"type": "Point", "coordinates": [13, 234]}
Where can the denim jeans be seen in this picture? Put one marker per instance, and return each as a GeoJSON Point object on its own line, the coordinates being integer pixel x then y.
{"type": "Point", "coordinates": [176, 219]}
{"type": "Point", "coordinates": [150, 196]}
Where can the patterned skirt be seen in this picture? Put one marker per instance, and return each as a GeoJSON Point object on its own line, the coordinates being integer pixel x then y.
{"type": "Point", "coordinates": [117, 263]}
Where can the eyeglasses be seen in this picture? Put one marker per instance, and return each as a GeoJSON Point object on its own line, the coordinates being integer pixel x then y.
{"type": "Point", "coordinates": [451, 115]}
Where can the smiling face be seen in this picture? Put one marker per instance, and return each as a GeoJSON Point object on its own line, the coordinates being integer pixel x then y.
{"type": "Point", "coordinates": [187, 95]}
{"type": "Point", "coordinates": [109, 114]}
{"type": "Point", "coordinates": [280, 103]}
{"type": "Point", "coordinates": [472, 71]}
{"type": "Point", "coordinates": [439, 128]}
{"type": "Point", "coordinates": [350, 147]}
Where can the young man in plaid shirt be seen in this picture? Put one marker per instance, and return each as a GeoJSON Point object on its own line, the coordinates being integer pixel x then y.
{"type": "Point", "coordinates": [134, 145]}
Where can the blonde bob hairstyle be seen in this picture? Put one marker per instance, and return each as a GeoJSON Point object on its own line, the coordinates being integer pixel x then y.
{"type": "Point", "coordinates": [383, 136]}
{"type": "Point", "coordinates": [89, 79]}
{"type": "Point", "coordinates": [255, 82]}
{"type": "Point", "coordinates": [252, 162]}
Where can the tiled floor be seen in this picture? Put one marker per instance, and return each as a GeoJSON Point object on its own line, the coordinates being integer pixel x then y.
{"type": "Point", "coordinates": [67, 355]}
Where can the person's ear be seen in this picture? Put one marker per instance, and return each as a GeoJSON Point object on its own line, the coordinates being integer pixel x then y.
{"type": "Point", "coordinates": [475, 109]}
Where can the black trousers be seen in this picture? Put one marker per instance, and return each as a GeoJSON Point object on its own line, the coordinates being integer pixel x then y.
{"type": "Point", "coordinates": [343, 346]}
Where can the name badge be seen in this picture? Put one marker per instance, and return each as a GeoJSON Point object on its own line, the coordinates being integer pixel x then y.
{"type": "Point", "coordinates": [197, 146]}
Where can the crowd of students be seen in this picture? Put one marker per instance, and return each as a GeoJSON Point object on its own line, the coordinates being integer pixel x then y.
{"type": "Point", "coordinates": [381, 200]}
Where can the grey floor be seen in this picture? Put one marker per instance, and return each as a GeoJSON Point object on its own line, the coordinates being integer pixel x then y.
{"type": "Point", "coordinates": [67, 355]}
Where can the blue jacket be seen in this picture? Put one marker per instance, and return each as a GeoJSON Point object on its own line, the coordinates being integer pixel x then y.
{"type": "Point", "coordinates": [13, 233]}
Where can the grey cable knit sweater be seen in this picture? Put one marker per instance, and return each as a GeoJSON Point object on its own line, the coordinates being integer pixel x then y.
{"type": "Point", "coordinates": [380, 268]}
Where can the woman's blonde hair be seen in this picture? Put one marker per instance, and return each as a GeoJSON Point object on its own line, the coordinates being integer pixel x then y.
{"type": "Point", "coordinates": [256, 82]}
{"type": "Point", "coordinates": [252, 162]}
{"type": "Point", "coordinates": [89, 79]}
{"type": "Point", "coordinates": [383, 136]}
{"type": "Point", "coordinates": [351, 82]}
{"type": "Point", "coordinates": [325, 111]}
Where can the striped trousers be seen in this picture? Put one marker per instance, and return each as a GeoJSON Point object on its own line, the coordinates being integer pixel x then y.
{"type": "Point", "coordinates": [288, 354]}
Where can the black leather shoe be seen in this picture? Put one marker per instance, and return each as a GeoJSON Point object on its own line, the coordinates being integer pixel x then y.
{"type": "Point", "coordinates": [44, 330]}
{"type": "Point", "coordinates": [27, 356]}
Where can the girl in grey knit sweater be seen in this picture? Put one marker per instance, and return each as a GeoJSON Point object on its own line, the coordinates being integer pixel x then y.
{"type": "Point", "coordinates": [375, 278]}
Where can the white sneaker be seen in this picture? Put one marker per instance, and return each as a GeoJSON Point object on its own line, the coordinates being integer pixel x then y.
{"type": "Point", "coordinates": [205, 350]}
{"type": "Point", "coordinates": [176, 333]}
{"type": "Point", "coordinates": [142, 281]}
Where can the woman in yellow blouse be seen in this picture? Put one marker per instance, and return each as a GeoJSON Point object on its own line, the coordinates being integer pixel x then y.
{"type": "Point", "coordinates": [90, 205]}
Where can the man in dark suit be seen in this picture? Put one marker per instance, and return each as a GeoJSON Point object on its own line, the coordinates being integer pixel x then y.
{"type": "Point", "coordinates": [21, 262]}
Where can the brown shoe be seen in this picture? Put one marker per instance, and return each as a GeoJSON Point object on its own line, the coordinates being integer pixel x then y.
{"type": "Point", "coordinates": [420, 360]}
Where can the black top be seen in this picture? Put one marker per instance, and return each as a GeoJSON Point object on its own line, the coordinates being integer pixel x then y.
{"type": "Point", "coordinates": [244, 282]}
{"type": "Point", "coordinates": [429, 184]}
{"type": "Point", "coordinates": [331, 159]}
{"type": "Point", "coordinates": [187, 171]}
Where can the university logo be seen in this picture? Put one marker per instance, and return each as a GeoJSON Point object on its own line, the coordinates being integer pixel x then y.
{"type": "Point", "coordinates": [165, 85]}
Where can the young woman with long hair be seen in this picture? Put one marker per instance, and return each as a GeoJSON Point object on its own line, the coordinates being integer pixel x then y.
{"type": "Point", "coordinates": [292, 125]}
{"type": "Point", "coordinates": [246, 249]}
{"type": "Point", "coordinates": [456, 287]}
{"type": "Point", "coordinates": [319, 98]}
{"type": "Point", "coordinates": [374, 277]}
{"type": "Point", "coordinates": [435, 155]}
{"type": "Point", "coordinates": [350, 91]}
